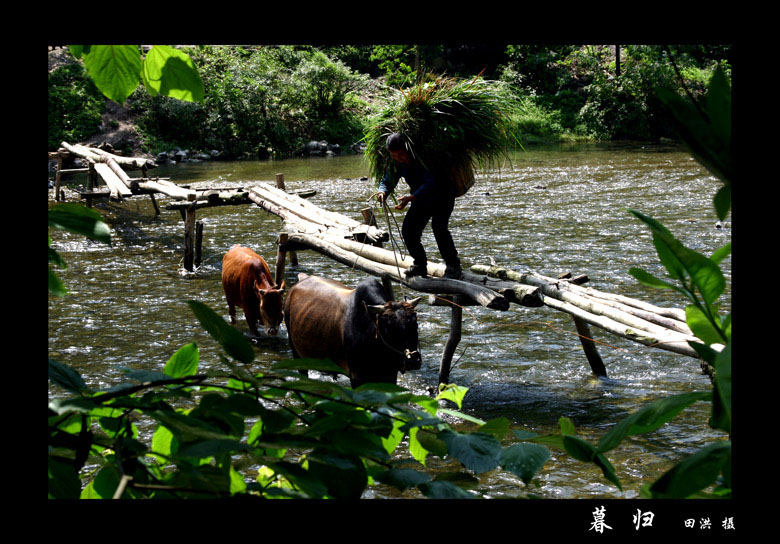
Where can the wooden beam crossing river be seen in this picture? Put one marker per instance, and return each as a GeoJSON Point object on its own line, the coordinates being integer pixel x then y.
{"type": "Point", "coordinates": [359, 245]}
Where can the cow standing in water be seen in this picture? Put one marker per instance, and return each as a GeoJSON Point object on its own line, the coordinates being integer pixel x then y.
{"type": "Point", "coordinates": [368, 335]}
{"type": "Point", "coordinates": [249, 285]}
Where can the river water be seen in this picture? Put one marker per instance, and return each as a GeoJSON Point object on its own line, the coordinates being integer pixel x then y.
{"type": "Point", "coordinates": [551, 209]}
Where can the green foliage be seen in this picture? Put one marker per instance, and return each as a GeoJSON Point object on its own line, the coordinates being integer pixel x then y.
{"type": "Point", "coordinates": [117, 70]}
{"type": "Point", "coordinates": [256, 99]}
{"type": "Point", "coordinates": [229, 432]}
{"type": "Point", "coordinates": [75, 105]}
{"type": "Point", "coordinates": [447, 122]}
{"type": "Point", "coordinates": [705, 127]}
{"type": "Point", "coordinates": [79, 220]}
{"type": "Point", "coordinates": [707, 132]}
{"type": "Point", "coordinates": [581, 86]}
{"type": "Point", "coordinates": [397, 63]}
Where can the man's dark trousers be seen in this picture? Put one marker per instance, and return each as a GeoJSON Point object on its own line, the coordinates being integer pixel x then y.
{"type": "Point", "coordinates": [414, 223]}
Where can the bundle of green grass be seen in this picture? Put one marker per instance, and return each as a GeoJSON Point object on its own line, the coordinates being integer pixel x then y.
{"type": "Point", "coordinates": [451, 125]}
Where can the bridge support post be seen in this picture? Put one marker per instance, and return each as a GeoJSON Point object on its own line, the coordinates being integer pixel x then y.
{"type": "Point", "coordinates": [189, 235]}
{"type": "Point", "coordinates": [281, 257]}
{"type": "Point", "coordinates": [589, 346]}
{"type": "Point", "coordinates": [280, 185]}
{"type": "Point", "coordinates": [456, 322]}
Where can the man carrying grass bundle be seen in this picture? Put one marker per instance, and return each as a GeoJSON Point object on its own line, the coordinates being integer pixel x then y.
{"type": "Point", "coordinates": [433, 135]}
{"type": "Point", "coordinates": [432, 199]}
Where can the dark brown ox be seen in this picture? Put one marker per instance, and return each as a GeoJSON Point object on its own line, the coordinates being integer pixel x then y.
{"type": "Point", "coordinates": [249, 285]}
{"type": "Point", "coordinates": [362, 330]}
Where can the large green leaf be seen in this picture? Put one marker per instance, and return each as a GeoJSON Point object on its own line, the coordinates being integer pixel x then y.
{"type": "Point", "coordinates": [163, 443]}
{"type": "Point", "coordinates": [345, 476]}
{"type": "Point", "coordinates": [443, 490]}
{"type": "Point", "coordinates": [452, 392]}
{"type": "Point", "coordinates": [706, 129]}
{"type": "Point", "coordinates": [477, 451]}
{"type": "Point", "coordinates": [701, 325]}
{"type": "Point", "coordinates": [234, 343]}
{"type": "Point", "coordinates": [498, 427]}
{"type": "Point", "coordinates": [64, 483]}
{"type": "Point", "coordinates": [187, 429]}
{"type": "Point", "coordinates": [681, 261]}
{"type": "Point", "coordinates": [79, 220]}
{"type": "Point", "coordinates": [104, 485]}
{"type": "Point", "coordinates": [184, 362]}
{"type": "Point", "coordinates": [649, 418]}
{"type": "Point", "coordinates": [115, 69]}
{"type": "Point", "coordinates": [211, 448]}
{"type": "Point", "coordinates": [693, 473]}
{"type": "Point", "coordinates": [66, 377]}
{"type": "Point", "coordinates": [524, 460]}
{"type": "Point", "coordinates": [301, 478]}
{"type": "Point", "coordinates": [170, 72]}
{"type": "Point", "coordinates": [588, 453]}
{"type": "Point", "coordinates": [721, 402]}
{"type": "Point", "coordinates": [402, 478]}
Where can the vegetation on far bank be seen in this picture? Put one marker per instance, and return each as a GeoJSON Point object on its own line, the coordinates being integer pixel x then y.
{"type": "Point", "coordinates": [271, 100]}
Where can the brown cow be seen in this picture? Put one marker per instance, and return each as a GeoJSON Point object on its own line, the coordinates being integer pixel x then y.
{"type": "Point", "coordinates": [249, 285]}
{"type": "Point", "coordinates": [369, 336]}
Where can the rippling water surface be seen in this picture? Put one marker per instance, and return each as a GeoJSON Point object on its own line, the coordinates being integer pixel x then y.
{"type": "Point", "coordinates": [552, 209]}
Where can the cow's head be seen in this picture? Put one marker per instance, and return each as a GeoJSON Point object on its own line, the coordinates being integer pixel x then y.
{"type": "Point", "coordinates": [396, 332]}
{"type": "Point", "coordinates": [271, 307]}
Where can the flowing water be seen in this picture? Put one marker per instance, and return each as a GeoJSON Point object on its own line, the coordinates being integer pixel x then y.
{"type": "Point", "coordinates": [552, 209]}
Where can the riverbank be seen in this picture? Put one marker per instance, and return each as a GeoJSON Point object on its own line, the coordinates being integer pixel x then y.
{"type": "Point", "coordinates": [284, 101]}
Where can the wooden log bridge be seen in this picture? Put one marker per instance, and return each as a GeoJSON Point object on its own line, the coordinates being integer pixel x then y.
{"type": "Point", "coordinates": [358, 245]}
{"type": "Point", "coordinates": [110, 169]}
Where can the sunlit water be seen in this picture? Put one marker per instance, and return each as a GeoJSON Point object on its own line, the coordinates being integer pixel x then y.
{"type": "Point", "coordinates": [552, 209]}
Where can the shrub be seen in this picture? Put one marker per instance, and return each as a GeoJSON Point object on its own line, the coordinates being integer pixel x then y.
{"type": "Point", "coordinates": [75, 105]}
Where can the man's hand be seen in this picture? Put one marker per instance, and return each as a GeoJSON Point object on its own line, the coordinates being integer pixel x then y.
{"type": "Point", "coordinates": [404, 200]}
{"type": "Point", "coordinates": [381, 196]}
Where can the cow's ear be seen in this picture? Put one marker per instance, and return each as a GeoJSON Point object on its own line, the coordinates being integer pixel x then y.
{"type": "Point", "coordinates": [414, 302]}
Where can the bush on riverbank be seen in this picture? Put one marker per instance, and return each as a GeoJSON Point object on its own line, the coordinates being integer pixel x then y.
{"type": "Point", "coordinates": [257, 101]}
{"type": "Point", "coordinates": [275, 99]}
{"type": "Point", "coordinates": [75, 105]}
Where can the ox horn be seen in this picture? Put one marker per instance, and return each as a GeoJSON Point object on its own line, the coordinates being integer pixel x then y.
{"type": "Point", "coordinates": [414, 302]}
{"type": "Point", "coordinates": [375, 308]}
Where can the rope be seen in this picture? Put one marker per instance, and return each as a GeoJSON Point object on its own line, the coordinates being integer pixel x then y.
{"type": "Point", "coordinates": [393, 244]}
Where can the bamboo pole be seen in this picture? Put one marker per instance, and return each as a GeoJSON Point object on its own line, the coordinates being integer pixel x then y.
{"type": "Point", "coordinates": [281, 257]}
{"type": "Point", "coordinates": [280, 185]}
{"type": "Point", "coordinates": [169, 189]}
{"type": "Point", "coordinates": [589, 347]}
{"type": "Point", "coordinates": [98, 155]}
{"type": "Point", "coordinates": [198, 243]}
{"type": "Point", "coordinates": [672, 313]}
{"type": "Point", "coordinates": [674, 344]}
{"type": "Point", "coordinates": [456, 326]}
{"type": "Point", "coordinates": [189, 236]}
{"type": "Point", "coordinates": [482, 295]}
{"type": "Point", "coordinates": [561, 296]}
{"type": "Point", "coordinates": [562, 290]}
{"type": "Point", "coordinates": [154, 203]}
{"type": "Point", "coordinates": [58, 177]}
{"type": "Point", "coordinates": [117, 188]}
{"type": "Point", "coordinates": [294, 208]}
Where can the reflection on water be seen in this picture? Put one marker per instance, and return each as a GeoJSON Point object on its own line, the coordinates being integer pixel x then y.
{"type": "Point", "coordinates": [552, 209]}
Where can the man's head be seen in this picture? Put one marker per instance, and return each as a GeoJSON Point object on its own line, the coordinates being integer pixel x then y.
{"type": "Point", "coordinates": [396, 145]}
